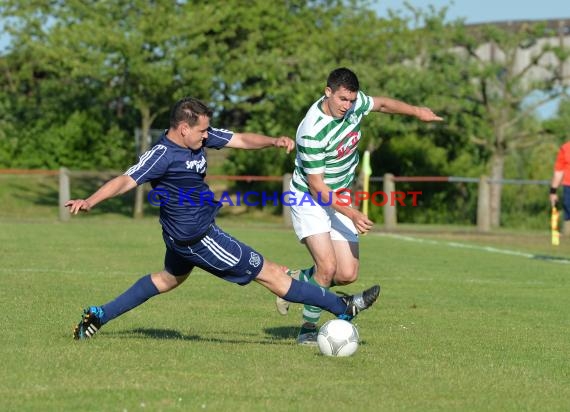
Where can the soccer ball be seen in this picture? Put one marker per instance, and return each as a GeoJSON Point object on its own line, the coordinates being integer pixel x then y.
{"type": "Point", "coordinates": [338, 337]}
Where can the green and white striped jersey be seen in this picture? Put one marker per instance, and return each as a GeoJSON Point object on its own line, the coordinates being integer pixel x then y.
{"type": "Point", "coordinates": [328, 145]}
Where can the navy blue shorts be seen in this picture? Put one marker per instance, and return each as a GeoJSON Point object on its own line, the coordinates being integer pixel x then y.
{"type": "Point", "coordinates": [217, 253]}
{"type": "Point", "coordinates": [566, 202]}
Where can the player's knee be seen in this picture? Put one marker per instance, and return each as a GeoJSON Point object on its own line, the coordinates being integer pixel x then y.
{"type": "Point", "coordinates": [165, 281]}
{"type": "Point", "coordinates": [346, 277]}
{"type": "Point", "coordinates": [326, 272]}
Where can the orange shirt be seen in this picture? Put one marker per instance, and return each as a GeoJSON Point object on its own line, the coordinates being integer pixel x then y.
{"type": "Point", "coordinates": [562, 163]}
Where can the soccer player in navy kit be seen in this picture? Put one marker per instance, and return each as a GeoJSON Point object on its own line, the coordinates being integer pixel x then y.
{"type": "Point", "coordinates": [176, 167]}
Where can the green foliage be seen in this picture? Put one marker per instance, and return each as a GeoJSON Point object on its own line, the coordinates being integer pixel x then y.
{"type": "Point", "coordinates": [74, 144]}
{"type": "Point", "coordinates": [528, 205]}
{"type": "Point", "coordinates": [8, 139]}
{"type": "Point", "coordinates": [559, 126]}
{"type": "Point", "coordinates": [80, 76]}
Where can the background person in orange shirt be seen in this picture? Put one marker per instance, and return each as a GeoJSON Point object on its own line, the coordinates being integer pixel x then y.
{"type": "Point", "coordinates": [562, 176]}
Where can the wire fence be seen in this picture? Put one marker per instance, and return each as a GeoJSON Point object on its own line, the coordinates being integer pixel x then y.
{"type": "Point", "coordinates": [447, 200]}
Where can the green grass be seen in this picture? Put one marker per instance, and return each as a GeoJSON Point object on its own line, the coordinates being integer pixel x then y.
{"type": "Point", "coordinates": [28, 196]}
{"type": "Point", "coordinates": [455, 329]}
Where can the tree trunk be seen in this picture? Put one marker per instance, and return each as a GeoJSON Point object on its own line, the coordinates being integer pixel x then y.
{"type": "Point", "coordinates": [497, 167]}
{"type": "Point", "coordinates": [145, 131]}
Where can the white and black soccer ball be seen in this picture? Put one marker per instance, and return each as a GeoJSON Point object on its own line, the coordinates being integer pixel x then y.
{"type": "Point", "coordinates": [338, 337]}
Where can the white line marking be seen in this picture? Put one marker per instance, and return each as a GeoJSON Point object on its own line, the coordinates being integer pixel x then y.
{"type": "Point", "coordinates": [489, 249]}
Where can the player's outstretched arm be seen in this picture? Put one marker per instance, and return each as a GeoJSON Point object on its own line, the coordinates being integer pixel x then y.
{"type": "Point", "coordinates": [392, 106]}
{"type": "Point", "coordinates": [112, 188]}
{"type": "Point", "coordinates": [259, 141]}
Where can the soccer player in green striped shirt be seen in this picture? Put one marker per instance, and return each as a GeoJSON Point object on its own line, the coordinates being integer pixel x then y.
{"type": "Point", "coordinates": [327, 157]}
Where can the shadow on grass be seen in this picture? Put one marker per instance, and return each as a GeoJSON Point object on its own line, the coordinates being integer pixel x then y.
{"type": "Point", "coordinates": [552, 258]}
{"type": "Point", "coordinates": [274, 335]}
{"type": "Point", "coordinates": [289, 333]}
{"type": "Point", "coordinates": [155, 334]}
{"type": "Point", "coordinates": [43, 192]}
{"type": "Point", "coordinates": [283, 332]}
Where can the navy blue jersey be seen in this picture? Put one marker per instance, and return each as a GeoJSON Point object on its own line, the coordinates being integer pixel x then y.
{"type": "Point", "coordinates": [176, 174]}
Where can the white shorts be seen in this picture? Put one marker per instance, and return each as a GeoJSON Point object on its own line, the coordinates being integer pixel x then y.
{"type": "Point", "coordinates": [311, 218]}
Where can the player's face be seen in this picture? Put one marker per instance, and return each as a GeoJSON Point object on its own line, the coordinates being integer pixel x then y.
{"type": "Point", "coordinates": [339, 102]}
{"type": "Point", "coordinates": [193, 136]}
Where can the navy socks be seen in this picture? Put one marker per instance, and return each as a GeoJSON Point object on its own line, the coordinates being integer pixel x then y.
{"type": "Point", "coordinates": [303, 292]}
{"type": "Point", "coordinates": [141, 291]}
{"type": "Point", "coordinates": [299, 292]}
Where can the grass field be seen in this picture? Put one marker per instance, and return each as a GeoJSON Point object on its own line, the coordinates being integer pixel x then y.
{"type": "Point", "coordinates": [461, 326]}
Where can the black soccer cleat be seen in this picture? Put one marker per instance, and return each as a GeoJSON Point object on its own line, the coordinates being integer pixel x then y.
{"type": "Point", "coordinates": [359, 302]}
{"type": "Point", "coordinates": [89, 324]}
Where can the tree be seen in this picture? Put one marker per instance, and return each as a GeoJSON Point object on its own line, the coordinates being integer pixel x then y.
{"type": "Point", "coordinates": [108, 67]}
{"type": "Point", "coordinates": [272, 69]}
{"type": "Point", "coordinates": [484, 76]}
{"type": "Point", "coordinates": [422, 68]}
{"type": "Point", "coordinates": [506, 65]}
{"type": "Point", "coordinates": [559, 126]}
{"type": "Point", "coordinates": [136, 55]}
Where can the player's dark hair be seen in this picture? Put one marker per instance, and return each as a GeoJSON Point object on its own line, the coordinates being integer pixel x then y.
{"type": "Point", "coordinates": [188, 110]}
{"type": "Point", "coordinates": [343, 77]}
